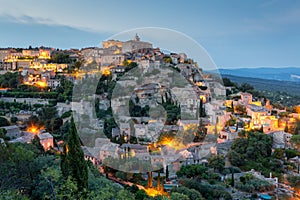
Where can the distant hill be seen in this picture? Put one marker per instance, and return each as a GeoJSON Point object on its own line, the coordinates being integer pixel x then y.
{"type": "Point", "coordinates": [290, 87]}
{"type": "Point", "coordinates": [280, 74]}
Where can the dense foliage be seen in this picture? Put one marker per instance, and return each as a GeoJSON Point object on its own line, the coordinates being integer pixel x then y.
{"type": "Point", "coordinates": [251, 184]}
{"type": "Point", "coordinates": [72, 160]}
{"type": "Point", "coordinates": [27, 172]}
{"type": "Point", "coordinates": [278, 92]}
{"type": "Point", "coordinates": [4, 122]}
{"type": "Point", "coordinates": [10, 80]}
{"type": "Point", "coordinates": [61, 58]}
{"type": "Point", "coordinates": [254, 151]}
{"type": "Point", "coordinates": [19, 90]}
{"type": "Point", "coordinates": [172, 109]}
{"type": "Point", "coordinates": [206, 190]}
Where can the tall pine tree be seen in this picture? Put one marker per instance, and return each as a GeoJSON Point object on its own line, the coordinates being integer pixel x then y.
{"type": "Point", "coordinates": [72, 159]}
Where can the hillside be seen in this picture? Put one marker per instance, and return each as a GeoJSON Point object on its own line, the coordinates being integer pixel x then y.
{"type": "Point", "coordinates": [291, 88]}
{"type": "Point", "coordinates": [280, 74]}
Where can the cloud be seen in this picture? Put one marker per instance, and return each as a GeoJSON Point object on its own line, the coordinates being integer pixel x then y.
{"type": "Point", "coordinates": [273, 22]}
{"type": "Point", "coordinates": [75, 14]}
{"type": "Point", "coordinates": [289, 17]}
{"type": "Point", "coordinates": [26, 19]}
{"type": "Point", "coordinates": [268, 3]}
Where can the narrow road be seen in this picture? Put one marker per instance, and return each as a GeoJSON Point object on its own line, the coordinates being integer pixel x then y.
{"type": "Point", "coordinates": [122, 182]}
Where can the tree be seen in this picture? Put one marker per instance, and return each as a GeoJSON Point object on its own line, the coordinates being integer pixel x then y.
{"type": "Point", "coordinates": [245, 87]}
{"type": "Point", "coordinates": [295, 140]}
{"type": "Point", "coordinates": [55, 123]}
{"type": "Point", "coordinates": [19, 167]}
{"type": "Point", "coordinates": [227, 83]}
{"type": "Point", "coordinates": [124, 195]}
{"type": "Point", "coordinates": [278, 153]}
{"type": "Point", "coordinates": [168, 59]}
{"type": "Point", "coordinates": [191, 193]}
{"type": "Point", "coordinates": [11, 195]}
{"type": "Point", "coordinates": [291, 153]}
{"type": "Point", "coordinates": [61, 58]}
{"type": "Point", "coordinates": [178, 196]}
{"type": "Point", "coordinates": [109, 124]}
{"type": "Point", "coordinates": [47, 116]}
{"type": "Point", "coordinates": [4, 122]}
{"type": "Point", "coordinates": [77, 65]}
{"type": "Point", "coordinates": [140, 195]}
{"type": "Point", "coordinates": [10, 80]}
{"type": "Point", "coordinates": [297, 127]}
{"type": "Point", "coordinates": [72, 159]}
{"type": "Point", "coordinates": [240, 109]}
{"type": "Point", "coordinates": [261, 129]}
{"type": "Point", "coordinates": [235, 158]}
{"type": "Point", "coordinates": [13, 120]}
{"type": "Point", "coordinates": [207, 191]}
{"type": "Point", "coordinates": [255, 152]}
{"type": "Point", "coordinates": [2, 133]}
{"type": "Point", "coordinates": [201, 109]}
{"type": "Point", "coordinates": [294, 180]}
{"type": "Point", "coordinates": [286, 129]}
{"type": "Point", "coordinates": [194, 170]}
{"type": "Point", "coordinates": [68, 189]}
{"type": "Point", "coordinates": [216, 162]}
{"type": "Point", "coordinates": [167, 172]}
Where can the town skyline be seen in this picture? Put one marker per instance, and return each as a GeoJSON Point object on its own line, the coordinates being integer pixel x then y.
{"type": "Point", "coordinates": [256, 34]}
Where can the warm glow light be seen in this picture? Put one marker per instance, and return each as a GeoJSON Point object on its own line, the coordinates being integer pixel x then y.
{"type": "Point", "coordinates": [44, 55]}
{"type": "Point", "coordinates": [166, 141]}
{"type": "Point", "coordinates": [172, 142]}
{"type": "Point", "coordinates": [41, 84]}
{"type": "Point", "coordinates": [199, 83]}
{"type": "Point", "coordinates": [257, 103]}
{"type": "Point", "coordinates": [106, 71]}
{"type": "Point", "coordinates": [34, 129]}
{"type": "Point", "coordinates": [203, 98]}
{"type": "Point", "coordinates": [152, 192]}
{"type": "Point", "coordinates": [67, 149]}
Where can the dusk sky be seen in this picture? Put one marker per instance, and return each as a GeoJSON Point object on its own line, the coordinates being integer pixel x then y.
{"type": "Point", "coordinates": [235, 33]}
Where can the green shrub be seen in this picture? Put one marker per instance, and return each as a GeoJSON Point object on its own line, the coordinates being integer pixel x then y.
{"type": "Point", "coordinates": [294, 180]}
{"type": "Point", "coordinates": [66, 114]}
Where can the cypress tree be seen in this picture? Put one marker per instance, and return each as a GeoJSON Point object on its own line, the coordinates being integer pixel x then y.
{"type": "Point", "coordinates": [286, 129]}
{"type": "Point", "coordinates": [201, 108]}
{"type": "Point", "coordinates": [167, 172]}
{"type": "Point", "coordinates": [261, 129]}
{"type": "Point", "coordinates": [72, 159]}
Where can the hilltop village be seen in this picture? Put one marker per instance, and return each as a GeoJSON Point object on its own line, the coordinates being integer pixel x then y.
{"type": "Point", "coordinates": [151, 119]}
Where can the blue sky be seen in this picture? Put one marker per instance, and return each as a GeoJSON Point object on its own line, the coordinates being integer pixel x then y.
{"type": "Point", "coordinates": [235, 33]}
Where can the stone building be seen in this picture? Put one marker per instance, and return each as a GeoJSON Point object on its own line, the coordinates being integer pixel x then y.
{"type": "Point", "coordinates": [135, 44]}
